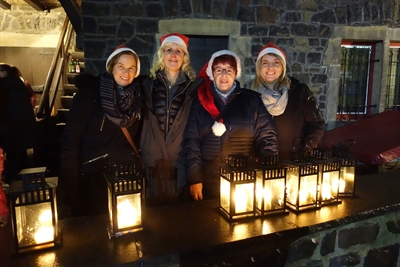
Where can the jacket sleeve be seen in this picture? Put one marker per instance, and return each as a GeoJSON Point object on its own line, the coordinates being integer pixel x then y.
{"type": "Point", "coordinates": [192, 141]}
{"type": "Point", "coordinates": [265, 133]}
{"type": "Point", "coordinates": [78, 117]}
{"type": "Point", "coordinates": [314, 124]}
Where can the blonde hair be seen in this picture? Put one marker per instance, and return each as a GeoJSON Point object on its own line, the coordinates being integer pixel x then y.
{"type": "Point", "coordinates": [115, 59]}
{"type": "Point", "coordinates": [158, 63]}
{"type": "Point", "coordinates": [282, 80]}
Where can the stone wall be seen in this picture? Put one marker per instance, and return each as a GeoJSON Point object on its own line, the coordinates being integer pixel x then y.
{"type": "Point", "coordinates": [303, 28]}
{"type": "Point", "coordinates": [370, 239]}
{"type": "Point", "coordinates": [23, 26]}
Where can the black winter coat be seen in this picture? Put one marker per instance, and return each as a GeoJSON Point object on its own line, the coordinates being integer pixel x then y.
{"type": "Point", "coordinates": [301, 121]}
{"type": "Point", "coordinates": [18, 127]}
{"type": "Point", "coordinates": [249, 131]}
{"type": "Point", "coordinates": [89, 134]}
{"type": "Point", "coordinates": [162, 131]}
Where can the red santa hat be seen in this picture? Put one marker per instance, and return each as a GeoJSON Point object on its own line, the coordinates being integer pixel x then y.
{"type": "Point", "coordinates": [209, 70]}
{"type": "Point", "coordinates": [120, 49]}
{"type": "Point", "coordinates": [274, 49]}
{"type": "Point", "coordinates": [177, 38]}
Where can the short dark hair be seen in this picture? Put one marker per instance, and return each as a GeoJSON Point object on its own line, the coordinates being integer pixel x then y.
{"type": "Point", "coordinates": [225, 59]}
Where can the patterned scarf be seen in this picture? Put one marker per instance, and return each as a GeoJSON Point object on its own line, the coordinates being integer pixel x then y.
{"type": "Point", "coordinates": [275, 101]}
{"type": "Point", "coordinates": [118, 102]}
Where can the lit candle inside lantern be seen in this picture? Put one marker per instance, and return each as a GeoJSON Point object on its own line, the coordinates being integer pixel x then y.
{"type": "Point", "coordinates": [267, 198]}
{"type": "Point", "coordinates": [127, 214]}
{"type": "Point", "coordinates": [45, 233]}
{"type": "Point", "coordinates": [244, 197]}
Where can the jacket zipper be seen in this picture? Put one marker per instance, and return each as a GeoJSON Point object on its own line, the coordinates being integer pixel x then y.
{"type": "Point", "coordinates": [102, 123]}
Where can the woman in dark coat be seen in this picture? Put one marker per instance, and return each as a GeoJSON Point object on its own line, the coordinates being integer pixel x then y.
{"type": "Point", "coordinates": [18, 128]}
{"type": "Point", "coordinates": [93, 135]}
{"type": "Point", "coordinates": [224, 119]}
{"type": "Point", "coordinates": [298, 120]}
{"type": "Point", "coordinates": [168, 94]}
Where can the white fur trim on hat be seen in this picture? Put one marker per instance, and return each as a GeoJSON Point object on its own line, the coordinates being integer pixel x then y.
{"type": "Point", "coordinates": [273, 51]}
{"type": "Point", "coordinates": [122, 49]}
{"type": "Point", "coordinates": [220, 53]}
{"type": "Point", "coordinates": [174, 39]}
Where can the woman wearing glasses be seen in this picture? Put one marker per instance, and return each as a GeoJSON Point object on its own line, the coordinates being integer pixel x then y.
{"type": "Point", "coordinates": [224, 119]}
{"type": "Point", "coordinates": [168, 94]}
{"type": "Point", "coordinates": [297, 117]}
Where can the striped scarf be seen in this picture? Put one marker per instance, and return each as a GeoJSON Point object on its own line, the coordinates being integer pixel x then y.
{"type": "Point", "coordinates": [119, 102]}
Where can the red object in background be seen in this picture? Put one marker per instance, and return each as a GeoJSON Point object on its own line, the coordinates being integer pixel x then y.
{"type": "Point", "coordinates": [377, 138]}
{"type": "Point", "coordinates": [3, 200]}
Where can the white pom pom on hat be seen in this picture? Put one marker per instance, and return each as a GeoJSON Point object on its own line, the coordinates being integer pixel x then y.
{"type": "Point", "coordinates": [274, 49]}
{"type": "Point", "coordinates": [177, 38]}
{"type": "Point", "coordinates": [209, 70]}
{"type": "Point", "coordinates": [120, 49]}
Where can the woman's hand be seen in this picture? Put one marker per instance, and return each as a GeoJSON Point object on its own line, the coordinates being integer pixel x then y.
{"type": "Point", "coordinates": [196, 191]}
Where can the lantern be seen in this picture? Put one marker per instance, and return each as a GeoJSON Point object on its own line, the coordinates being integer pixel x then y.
{"type": "Point", "coordinates": [270, 186]}
{"type": "Point", "coordinates": [237, 188]}
{"type": "Point", "coordinates": [347, 168]}
{"type": "Point", "coordinates": [328, 184]}
{"type": "Point", "coordinates": [125, 190]}
{"type": "Point", "coordinates": [301, 182]}
{"type": "Point", "coordinates": [34, 210]}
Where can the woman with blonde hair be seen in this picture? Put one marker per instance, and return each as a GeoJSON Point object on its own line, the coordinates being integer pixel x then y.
{"type": "Point", "coordinates": [168, 94]}
{"type": "Point", "coordinates": [295, 110]}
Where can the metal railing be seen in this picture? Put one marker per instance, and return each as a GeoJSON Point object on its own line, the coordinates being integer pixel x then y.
{"type": "Point", "coordinates": [57, 67]}
{"type": "Point", "coordinates": [392, 100]}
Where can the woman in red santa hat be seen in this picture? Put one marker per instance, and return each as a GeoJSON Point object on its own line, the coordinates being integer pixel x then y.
{"type": "Point", "coordinates": [224, 119]}
{"type": "Point", "coordinates": [297, 117]}
{"type": "Point", "coordinates": [168, 94]}
{"type": "Point", "coordinates": [93, 135]}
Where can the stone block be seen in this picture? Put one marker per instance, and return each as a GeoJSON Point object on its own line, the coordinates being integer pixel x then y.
{"type": "Point", "coordinates": [267, 14]}
{"type": "Point", "coordinates": [351, 259]}
{"type": "Point", "coordinates": [383, 257]}
{"type": "Point", "coordinates": [366, 233]}
{"type": "Point", "coordinates": [393, 226]}
{"type": "Point", "coordinates": [328, 243]}
{"type": "Point", "coordinates": [301, 249]}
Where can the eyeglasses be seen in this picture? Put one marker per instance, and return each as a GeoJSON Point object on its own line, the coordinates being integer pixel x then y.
{"type": "Point", "coordinates": [224, 71]}
{"type": "Point", "coordinates": [271, 64]}
{"type": "Point", "coordinates": [171, 51]}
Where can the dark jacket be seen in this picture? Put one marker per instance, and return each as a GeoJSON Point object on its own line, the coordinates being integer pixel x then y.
{"type": "Point", "coordinates": [301, 120]}
{"type": "Point", "coordinates": [249, 131]}
{"type": "Point", "coordinates": [163, 128]}
{"type": "Point", "coordinates": [89, 134]}
{"type": "Point", "coordinates": [18, 125]}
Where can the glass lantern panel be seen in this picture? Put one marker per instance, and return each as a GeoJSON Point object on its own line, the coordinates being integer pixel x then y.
{"type": "Point", "coordinates": [244, 198]}
{"type": "Point", "coordinates": [292, 185]}
{"type": "Point", "coordinates": [329, 185]}
{"type": "Point", "coordinates": [34, 224]}
{"type": "Point", "coordinates": [225, 194]}
{"type": "Point", "coordinates": [129, 210]}
{"type": "Point", "coordinates": [346, 183]}
{"type": "Point", "coordinates": [308, 189]}
{"type": "Point", "coordinates": [110, 202]}
{"type": "Point", "coordinates": [274, 191]}
{"type": "Point", "coordinates": [259, 188]}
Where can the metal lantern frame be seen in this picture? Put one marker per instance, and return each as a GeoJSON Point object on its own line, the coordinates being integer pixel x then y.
{"type": "Point", "coordinates": [270, 182]}
{"type": "Point", "coordinates": [125, 189]}
{"type": "Point", "coordinates": [298, 174]}
{"type": "Point", "coordinates": [236, 178]}
{"type": "Point", "coordinates": [347, 177]}
{"type": "Point", "coordinates": [33, 206]}
{"type": "Point", "coordinates": [328, 182]}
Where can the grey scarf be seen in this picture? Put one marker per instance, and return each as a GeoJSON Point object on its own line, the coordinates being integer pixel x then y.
{"type": "Point", "coordinates": [275, 101]}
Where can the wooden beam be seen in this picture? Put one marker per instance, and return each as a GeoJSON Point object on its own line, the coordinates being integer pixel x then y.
{"type": "Point", "coordinates": [4, 5]}
{"type": "Point", "coordinates": [35, 4]}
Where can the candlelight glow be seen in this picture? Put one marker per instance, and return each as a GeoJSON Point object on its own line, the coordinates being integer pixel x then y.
{"type": "Point", "coordinates": [128, 214]}
{"type": "Point", "coordinates": [244, 197]}
{"type": "Point", "coordinates": [45, 233]}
